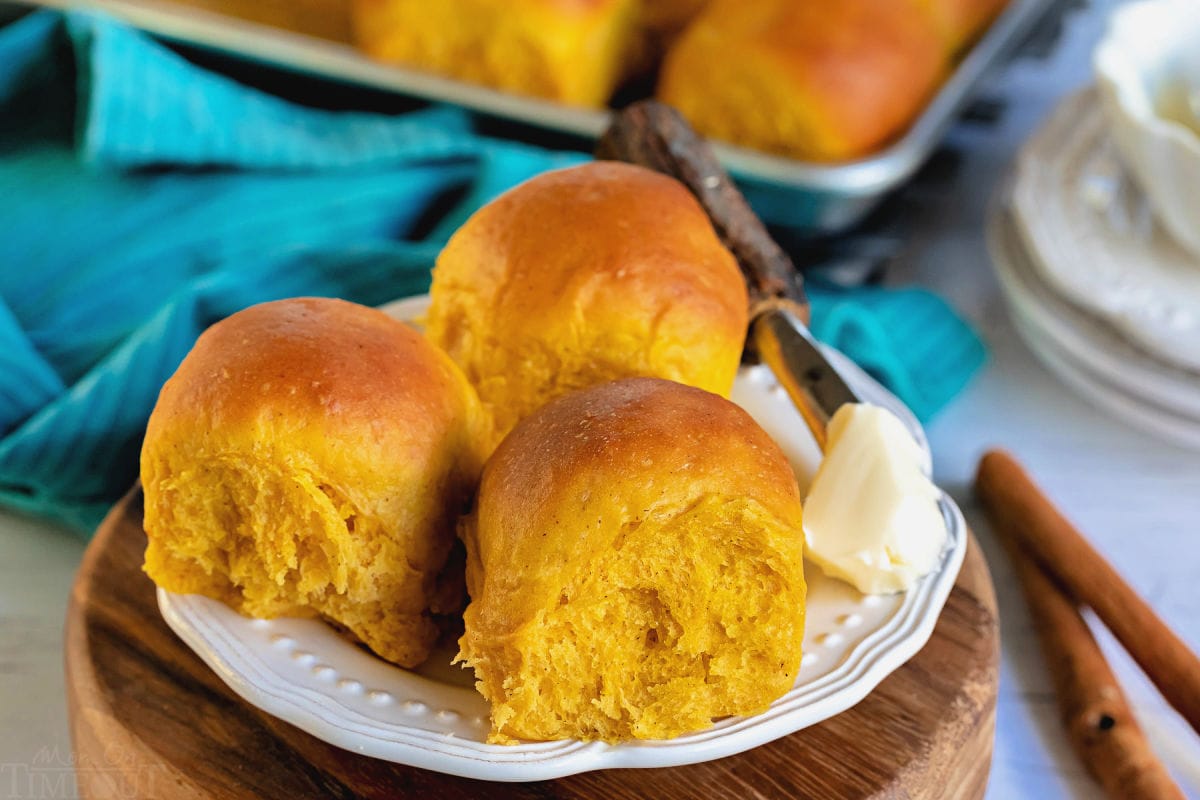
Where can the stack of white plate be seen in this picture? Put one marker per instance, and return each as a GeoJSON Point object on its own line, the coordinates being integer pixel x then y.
{"type": "Point", "coordinates": [1099, 292]}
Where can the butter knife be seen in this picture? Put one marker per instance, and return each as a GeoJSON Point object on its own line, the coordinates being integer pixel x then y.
{"type": "Point", "coordinates": [655, 136]}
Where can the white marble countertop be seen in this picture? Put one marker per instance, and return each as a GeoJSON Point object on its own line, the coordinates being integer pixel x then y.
{"type": "Point", "coordinates": [1136, 497]}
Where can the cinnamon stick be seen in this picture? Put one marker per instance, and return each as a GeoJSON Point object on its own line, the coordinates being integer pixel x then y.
{"type": "Point", "coordinates": [1099, 723]}
{"type": "Point", "coordinates": [655, 136]}
{"type": "Point", "coordinates": [1021, 513]}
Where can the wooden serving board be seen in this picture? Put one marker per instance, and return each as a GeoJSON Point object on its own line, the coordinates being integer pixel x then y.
{"type": "Point", "coordinates": [150, 720]}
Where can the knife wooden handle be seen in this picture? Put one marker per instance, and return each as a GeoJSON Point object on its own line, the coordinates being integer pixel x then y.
{"type": "Point", "coordinates": [655, 136]}
{"type": "Point", "coordinates": [1020, 512]}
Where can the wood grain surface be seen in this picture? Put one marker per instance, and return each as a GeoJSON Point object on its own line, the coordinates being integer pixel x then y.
{"type": "Point", "coordinates": [150, 720]}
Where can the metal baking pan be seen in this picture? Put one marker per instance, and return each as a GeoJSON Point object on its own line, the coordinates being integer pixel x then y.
{"type": "Point", "coordinates": [312, 37]}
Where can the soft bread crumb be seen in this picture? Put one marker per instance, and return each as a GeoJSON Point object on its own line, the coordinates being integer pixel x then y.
{"type": "Point", "coordinates": [633, 575]}
{"type": "Point", "coordinates": [688, 621]}
{"type": "Point", "coordinates": [309, 458]}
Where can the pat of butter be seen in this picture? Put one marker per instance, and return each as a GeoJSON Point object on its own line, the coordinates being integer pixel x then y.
{"type": "Point", "coordinates": [872, 516]}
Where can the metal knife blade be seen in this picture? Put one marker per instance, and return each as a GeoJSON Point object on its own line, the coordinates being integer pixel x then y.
{"type": "Point", "coordinates": [785, 344]}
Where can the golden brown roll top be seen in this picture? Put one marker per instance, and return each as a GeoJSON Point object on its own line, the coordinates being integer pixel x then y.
{"type": "Point", "coordinates": [635, 567]}
{"type": "Point", "coordinates": [308, 458]}
{"type": "Point", "coordinates": [584, 275]}
{"type": "Point", "coordinates": [810, 79]}
{"type": "Point", "coordinates": [574, 51]}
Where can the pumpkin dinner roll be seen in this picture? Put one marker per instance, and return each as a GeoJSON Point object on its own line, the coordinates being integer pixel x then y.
{"type": "Point", "coordinates": [634, 566]}
{"type": "Point", "coordinates": [808, 79]}
{"type": "Point", "coordinates": [585, 275]}
{"type": "Point", "coordinates": [572, 51]}
{"type": "Point", "coordinates": [309, 458]}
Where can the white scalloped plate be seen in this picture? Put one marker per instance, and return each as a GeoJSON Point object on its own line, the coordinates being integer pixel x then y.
{"type": "Point", "coordinates": [1090, 355]}
{"type": "Point", "coordinates": [303, 672]}
{"type": "Point", "coordinates": [1094, 238]}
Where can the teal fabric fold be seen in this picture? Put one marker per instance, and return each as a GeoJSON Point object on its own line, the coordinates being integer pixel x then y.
{"type": "Point", "coordinates": [144, 106]}
{"type": "Point", "coordinates": [144, 198]}
{"type": "Point", "coordinates": [29, 382]}
{"type": "Point", "coordinates": [909, 340]}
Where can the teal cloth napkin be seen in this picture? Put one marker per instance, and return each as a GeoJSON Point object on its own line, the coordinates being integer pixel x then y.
{"type": "Point", "coordinates": [145, 198]}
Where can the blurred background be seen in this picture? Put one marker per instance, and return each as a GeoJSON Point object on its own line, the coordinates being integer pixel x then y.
{"type": "Point", "coordinates": [981, 198]}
